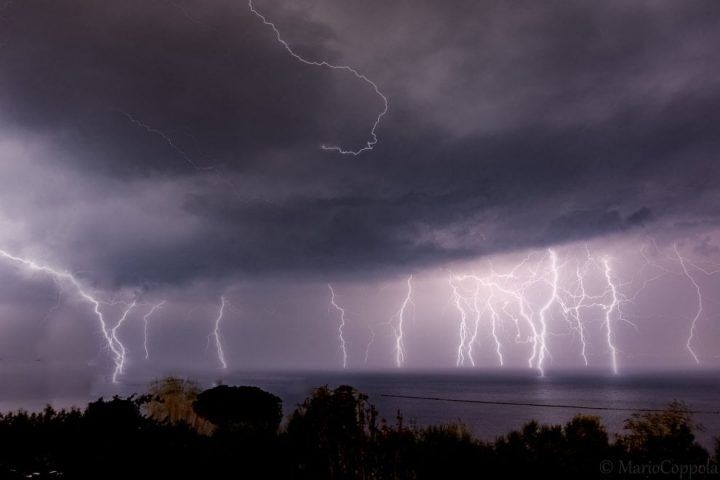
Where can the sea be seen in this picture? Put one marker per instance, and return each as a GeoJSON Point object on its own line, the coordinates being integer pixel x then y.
{"type": "Point", "coordinates": [489, 402]}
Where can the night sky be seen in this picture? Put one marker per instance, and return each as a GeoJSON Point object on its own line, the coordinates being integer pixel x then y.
{"type": "Point", "coordinates": [171, 150]}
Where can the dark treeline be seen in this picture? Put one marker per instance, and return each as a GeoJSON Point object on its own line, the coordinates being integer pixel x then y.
{"type": "Point", "coordinates": [176, 431]}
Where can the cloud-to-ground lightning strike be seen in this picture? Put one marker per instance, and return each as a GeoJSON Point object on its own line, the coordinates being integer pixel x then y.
{"type": "Point", "coordinates": [119, 351]}
{"type": "Point", "coordinates": [399, 325]}
{"type": "Point", "coordinates": [215, 334]}
{"type": "Point", "coordinates": [578, 298]}
{"type": "Point", "coordinates": [609, 309]}
{"type": "Point", "coordinates": [146, 319]}
{"type": "Point", "coordinates": [457, 300]}
{"type": "Point", "coordinates": [498, 297]}
{"type": "Point", "coordinates": [552, 298]}
{"type": "Point", "coordinates": [174, 146]}
{"type": "Point", "coordinates": [698, 313]}
{"type": "Point", "coordinates": [341, 327]}
{"type": "Point", "coordinates": [373, 140]}
{"type": "Point", "coordinates": [370, 342]}
{"type": "Point", "coordinates": [115, 346]}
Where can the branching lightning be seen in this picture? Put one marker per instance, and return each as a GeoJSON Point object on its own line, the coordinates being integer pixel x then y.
{"type": "Point", "coordinates": [688, 270]}
{"type": "Point", "coordinates": [543, 297]}
{"type": "Point", "coordinates": [373, 140]}
{"type": "Point", "coordinates": [552, 298]}
{"type": "Point", "coordinates": [61, 276]}
{"type": "Point", "coordinates": [458, 300]}
{"type": "Point", "coordinates": [146, 319]}
{"type": "Point", "coordinates": [532, 295]}
{"type": "Point", "coordinates": [341, 327]}
{"type": "Point", "coordinates": [119, 349]}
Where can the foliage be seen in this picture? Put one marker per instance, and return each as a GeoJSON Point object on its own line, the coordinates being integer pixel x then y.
{"type": "Point", "coordinates": [248, 410]}
{"type": "Point", "coordinates": [333, 434]}
{"type": "Point", "coordinates": [171, 400]}
{"type": "Point", "coordinates": [659, 436]}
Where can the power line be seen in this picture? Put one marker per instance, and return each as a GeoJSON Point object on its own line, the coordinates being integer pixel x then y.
{"type": "Point", "coordinates": [543, 405]}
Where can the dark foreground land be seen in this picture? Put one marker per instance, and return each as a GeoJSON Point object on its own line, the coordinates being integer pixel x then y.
{"type": "Point", "coordinates": [176, 431]}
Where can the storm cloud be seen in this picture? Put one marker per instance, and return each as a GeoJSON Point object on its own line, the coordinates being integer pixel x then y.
{"type": "Point", "coordinates": [510, 126]}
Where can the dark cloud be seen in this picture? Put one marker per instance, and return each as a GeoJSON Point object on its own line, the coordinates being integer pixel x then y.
{"type": "Point", "coordinates": [510, 126]}
{"type": "Point", "coordinates": [640, 216]}
{"type": "Point", "coordinates": [78, 69]}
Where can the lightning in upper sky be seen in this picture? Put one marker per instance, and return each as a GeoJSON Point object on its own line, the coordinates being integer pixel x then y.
{"type": "Point", "coordinates": [341, 327]}
{"type": "Point", "coordinates": [167, 138]}
{"type": "Point", "coordinates": [215, 334]}
{"type": "Point", "coordinates": [146, 319]}
{"type": "Point", "coordinates": [373, 140]}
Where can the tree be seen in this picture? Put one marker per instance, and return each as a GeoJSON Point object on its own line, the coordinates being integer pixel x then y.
{"type": "Point", "coordinates": [666, 435]}
{"type": "Point", "coordinates": [586, 445]}
{"type": "Point", "coordinates": [171, 400]}
{"type": "Point", "coordinates": [450, 451]}
{"type": "Point", "coordinates": [248, 410]}
{"type": "Point", "coordinates": [332, 433]}
{"type": "Point", "coordinates": [577, 448]}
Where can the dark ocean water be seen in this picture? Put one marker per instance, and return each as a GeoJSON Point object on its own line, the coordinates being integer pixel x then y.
{"type": "Point", "coordinates": [700, 390]}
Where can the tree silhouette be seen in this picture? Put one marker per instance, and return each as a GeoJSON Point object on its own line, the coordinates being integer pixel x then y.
{"type": "Point", "coordinates": [331, 433]}
{"type": "Point", "coordinates": [248, 410]}
{"type": "Point", "coordinates": [663, 436]}
{"type": "Point", "coordinates": [171, 400]}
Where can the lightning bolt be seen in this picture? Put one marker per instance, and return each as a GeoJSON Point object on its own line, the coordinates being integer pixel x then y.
{"type": "Point", "coordinates": [470, 302]}
{"type": "Point", "coordinates": [495, 297]}
{"type": "Point", "coordinates": [457, 300]}
{"type": "Point", "coordinates": [553, 298]}
{"type": "Point", "coordinates": [373, 140]}
{"type": "Point", "coordinates": [609, 300]}
{"type": "Point", "coordinates": [215, 334]}
{"type": "Point", "coordinates": [494, 320]}
{"type": "Point", "coordinates": [398, 328]}
{"type": "Point", "coordinates": [119, 349]}
{"type": "Point", "coordinates": [478, 316]}
{"type": "Point", "coordinates": [698, 313]}
{"type": "Point", "coordinates": [497, 288]}
{"type": "Point", "coordinates": [369, 344]}
{"type": "Point", "coordinates": [341, 327]}
{"type": "Point", "coordinates": [171, 143]}
{"type": "Point", "coordinates": [614, 305]}
{"type": "Point", "coordinates": [572, 310]}
{"type": "Point", "coordinates": [62, 276]}
{"type": "Point", "coordinates": [186, 13]}
{"type": "Point", "coordinates": [146, 318]}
